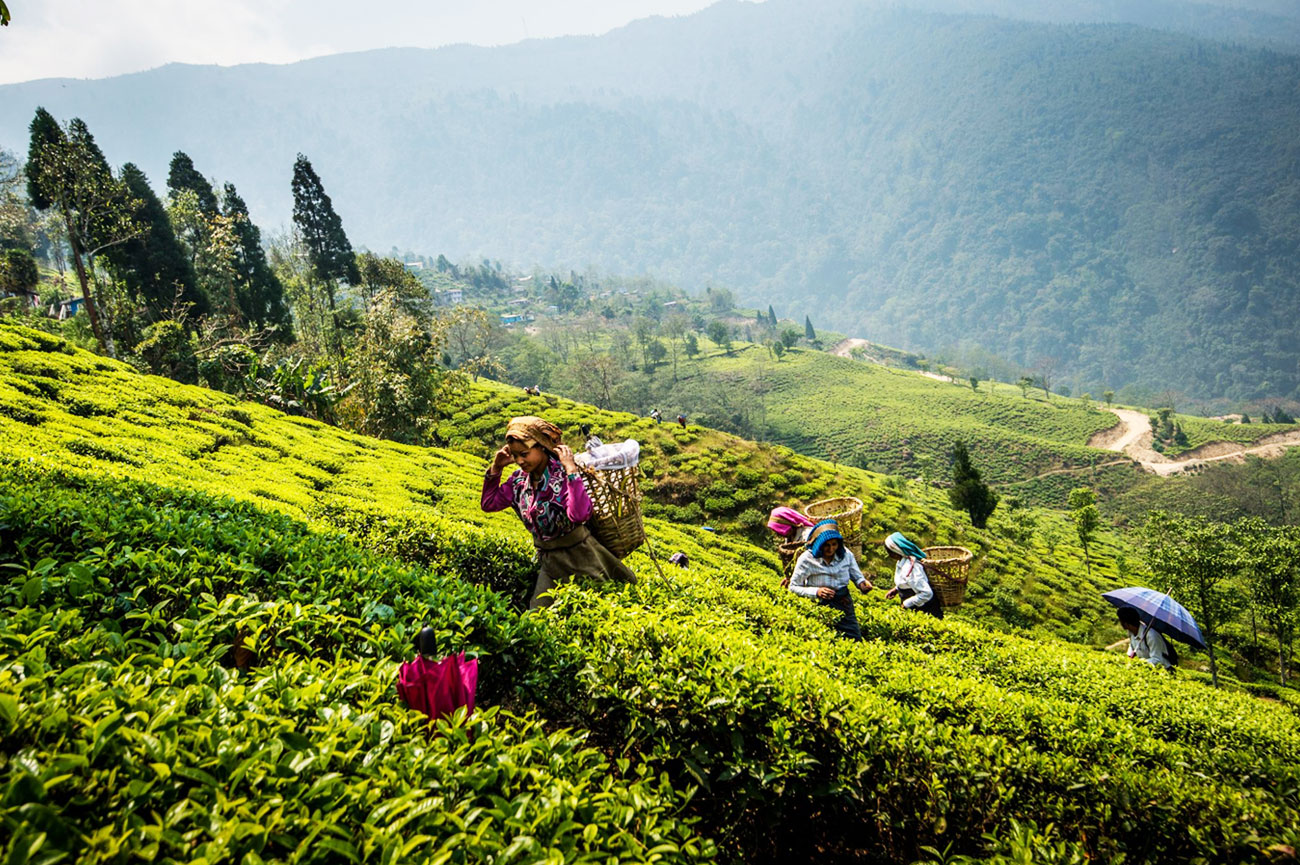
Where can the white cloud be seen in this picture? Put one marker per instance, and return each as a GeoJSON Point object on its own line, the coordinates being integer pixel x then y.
{"type": "Point", "coordinates": [98, 38]}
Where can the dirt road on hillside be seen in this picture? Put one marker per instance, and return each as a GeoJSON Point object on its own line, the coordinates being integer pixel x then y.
{"type": "Point", "coordinates": [1132, 436]}
{"type": "Point", "coordinates": [844, 348]}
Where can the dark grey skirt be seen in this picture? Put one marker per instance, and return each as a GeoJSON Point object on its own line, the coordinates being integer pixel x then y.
{"type": "Point", "coordinates": [576, 554]}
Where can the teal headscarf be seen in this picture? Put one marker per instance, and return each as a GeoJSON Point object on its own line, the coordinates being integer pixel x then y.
{"type": "Point", "coordinates": [823, 532]}
{"type": "Point", "coordinates": [903, 546]}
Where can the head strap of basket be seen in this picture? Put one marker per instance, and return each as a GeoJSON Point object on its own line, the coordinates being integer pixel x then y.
{"type": "Point", "coordinates": [821, 533]}
{"type": "Point", "coordinates": [530, 431]}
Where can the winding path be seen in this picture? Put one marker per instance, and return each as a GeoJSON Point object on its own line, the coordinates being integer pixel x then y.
{"type": "Point", "coordinates": [1132, 436]}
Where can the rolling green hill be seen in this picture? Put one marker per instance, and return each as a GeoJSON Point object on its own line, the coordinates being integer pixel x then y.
{"type": "Point", "coordinates": [147, 527]}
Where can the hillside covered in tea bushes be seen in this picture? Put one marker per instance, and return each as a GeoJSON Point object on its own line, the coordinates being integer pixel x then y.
{"type": "Point", "coordinates": [703, 715]}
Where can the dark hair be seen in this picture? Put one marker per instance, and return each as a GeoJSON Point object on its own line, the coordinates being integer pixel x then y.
{"type": "Point", "coordinates": [1129, 616]}
{"type": "Point", "coordinates": [426, 641]}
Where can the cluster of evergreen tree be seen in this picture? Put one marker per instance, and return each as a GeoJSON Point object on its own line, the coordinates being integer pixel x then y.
{"type": "Point", "coordinates": [185, 287]}
{"type": "Point", "coordinates": [139, 261]}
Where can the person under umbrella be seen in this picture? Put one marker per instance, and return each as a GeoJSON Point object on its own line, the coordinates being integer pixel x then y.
{"type": "Point", "coordinates": [1144, 643]}
{"type": "Point", "coordinates": [1157, 613]}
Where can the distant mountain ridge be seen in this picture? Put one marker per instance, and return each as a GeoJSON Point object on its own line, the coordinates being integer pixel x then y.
{"type": "Point", "coordinates": [1113, 203]}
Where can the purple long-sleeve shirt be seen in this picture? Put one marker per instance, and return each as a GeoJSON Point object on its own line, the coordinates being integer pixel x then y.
{"type": "Point", "coordinates": [550, 507]}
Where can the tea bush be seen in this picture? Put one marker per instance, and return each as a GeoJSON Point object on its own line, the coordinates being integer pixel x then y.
{"type": "Point", "coordinates": [721, 717]}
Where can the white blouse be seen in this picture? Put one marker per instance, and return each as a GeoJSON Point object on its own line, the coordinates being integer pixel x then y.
{"type": "Point", "coordinates": [811, 573]}
{"type": "Point", "coordinates": [910, 574]}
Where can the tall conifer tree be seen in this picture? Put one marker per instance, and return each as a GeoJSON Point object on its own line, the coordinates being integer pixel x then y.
{"type": "Point", "coordinates": [261, 295]}
{"type": "Point", "coordinates": [153, 266]}
{"type": "Point", "coordinates": [328, 249]}
{"type": "Point", "coordinates": [182, 174]}
{"type": "Point", "coordinates": [322, 231]}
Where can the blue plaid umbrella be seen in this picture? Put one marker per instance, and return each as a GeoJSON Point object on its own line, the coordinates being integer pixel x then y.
{"type": "Point", "coordinates": [1159, 611]}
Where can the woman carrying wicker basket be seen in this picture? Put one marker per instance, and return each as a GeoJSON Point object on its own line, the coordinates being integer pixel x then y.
{"type": "Point", "coordinates": [549, 497]}
{"type": "Point", "coordinates": [911, 584]}
{"type": "Point", "coordinates": [824, 571]}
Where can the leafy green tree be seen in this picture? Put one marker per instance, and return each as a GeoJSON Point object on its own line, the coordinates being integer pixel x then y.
{"type": "Point", "coordinates": [969, 492]}
{"type": "Point", "coordinates": [656, 351]}
{"type": "Point", "coordinates": [18, 271]}
{"type": "Point", "coordinates": [1025, 382]}
{"type": "Point", "coordinates": [261, 294]}
{"type": "Point", "coordinates": [394, 374]}
{"type": "Point", "coordinates": [720, 333]}
{"type": "Point", "coordinates": [691, 345]}
{"type": "Point", "coordinates": [153, 266]}
{"type": "Point", "coordinates": [789, 337]}
{"type": "Point", "coordinates": [1194, 559]}
{"type": "Point", "coordinates": [721, 300]}
{"type": "Point", "coordinates": [808, 332]}
{"type": "Point", "coordinates": [182, 175]}
{"type": "Point", "coordinates": [379, 273]}
{"type": "Point", "coordinates": [771, 316]}
{"type": "Point", "coordinates": [1086, 518]}
{"type": "Point", "coordinates": [213, 253]}
{"type": "Point", "coordinates": [778, 349]}
{"type": "Point", "coordinates": [17, 229]}
{"type": "Point", "coordinates": [974, 383]}
{"type": "Point", "coordinates": [1108, 396]}
{"type": "Point", "coordinates": [675, 327]}
{"type": "Point", "coordinates": [1272, 572]}
{"type": "Point", "coordinates": [328, 249]}
{"type": "Point", "coordinates": [67, 172]}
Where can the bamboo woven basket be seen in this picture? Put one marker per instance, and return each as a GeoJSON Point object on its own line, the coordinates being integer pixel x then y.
{"type": "Point", "coordinates": [788, 552]}
{"type": "Point", "coordinates": [616, 508]}
{"type": "Point", "coordinates": [948, 568]}
{"type": "Point", "coordinates": [845, 510]}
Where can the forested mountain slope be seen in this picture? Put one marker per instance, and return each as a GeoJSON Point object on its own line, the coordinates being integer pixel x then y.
{"type": "Point", "coordinates": [1116, 201]}
{"type": "Point", "coordinates": [148, 527]}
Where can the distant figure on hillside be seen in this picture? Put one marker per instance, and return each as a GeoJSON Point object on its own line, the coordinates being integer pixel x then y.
{"type": "Point", "coordinates": [549, 497]}
{"type": "Point", "coordinates": [1144, 642]}
{"type": "Point", "coordinates": [681, 421]}
{"type": "Point", "coordinates": [824, 570]}
{"type": "Point", "coordinates": [654, 413]}
{"type": "Point", "coordinates": [911, 584]}
{"type": "Point", "coordinates": [680, 560]}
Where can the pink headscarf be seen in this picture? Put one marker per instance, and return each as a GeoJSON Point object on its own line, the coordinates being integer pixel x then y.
{"type": "Point", "coordinates": [783, 520]}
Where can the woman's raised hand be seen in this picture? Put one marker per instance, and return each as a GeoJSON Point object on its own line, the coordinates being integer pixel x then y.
{"type": "Point", "coordinates": [501, 459]}
{"type": "Point", "coordinates": [564, 454]}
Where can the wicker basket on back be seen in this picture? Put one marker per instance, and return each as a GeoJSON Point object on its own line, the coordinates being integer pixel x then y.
{"type": "Point", "coordinates": [788, 552]}
{"type": "Point", "coordinates": [616, 508]}
{"type": "Point", "coordinates": [845, 510]}
{"type": "Point", "coordinates": [947, 568]}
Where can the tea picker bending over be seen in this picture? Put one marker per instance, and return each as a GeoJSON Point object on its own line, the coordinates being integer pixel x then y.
{"type": "Point", "coordinates": [824, 571]}
{"type": "Point", "coordinates": [911, 583]}
{"type": "Point", "coordinates": [548, 495]}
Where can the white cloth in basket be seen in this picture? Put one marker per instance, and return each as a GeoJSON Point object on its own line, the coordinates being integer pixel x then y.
{"type": "Point", "coordinates": [618, 455]}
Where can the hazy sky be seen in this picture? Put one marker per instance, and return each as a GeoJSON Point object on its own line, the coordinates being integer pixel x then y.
{"type": "Point", "coordinates": [98, 38]}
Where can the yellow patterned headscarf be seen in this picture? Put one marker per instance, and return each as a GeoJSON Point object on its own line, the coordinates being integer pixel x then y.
{"type": "Point", "coordinates": [530, 431]}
